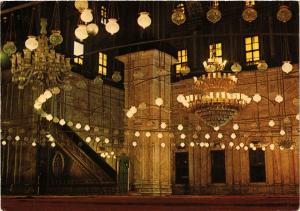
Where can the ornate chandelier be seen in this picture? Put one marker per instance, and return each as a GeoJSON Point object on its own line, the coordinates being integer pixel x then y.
{"type": "Point", "coordinates": [40, 64]}
{"type": "Point", "coordinates": [214, 103]}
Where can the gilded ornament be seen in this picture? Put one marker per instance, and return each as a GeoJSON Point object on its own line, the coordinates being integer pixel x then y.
{"type": "Point", "coordinates": [284, 13]}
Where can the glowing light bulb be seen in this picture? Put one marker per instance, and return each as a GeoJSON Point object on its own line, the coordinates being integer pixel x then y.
{"type": "Point", "coordinates": [87, 128]}
{"type": "Point", "coordinates": [47, 94]}
{"type": "Point", "coordinates": [220, 135]}
{"type": "Point", "coordinates": [263, 148]}
{"type": "Point", "coordinates": [137, 134]}
{"type": "Point", "coordinates": [180, 98]}
{"type": "Point", "coordinates": [112, 26]}
{"type": "Point", "coordinates": [182, 144]}
{"type": "Point", "coordinates": [86, 15]}
{"type": "Point", "coordinates": [235, 126]}
{"type": "Point", "coordinates": [287, 67]}
{"type": "Point", "coordinates": [159, 135]}
{"type": "Point", "coordinates": [282, 132]}
{"type": "Point", "coordinates": [53, 144]}
{"type": "Point", "coordinates": [134, 144]}
{"type": "Point", "coordinates": [217, 128]}
{"type": "Point", "coordinates": [148, 134]}
{"type": "Point", "coordinates": [231, 144]}
{"type": "Point", "coordinates": [159, 101]}
{"type": "Point", "coordinates": [78, 126]}
{"type": "Point", "coordinates": [3, 143]}
{"type": "Point", "coordinates": [256, 98]}
{"type": "Point", "coordinates": [88, 139]}
{"type": "Point", "coordinates": [17, 138]}
{"type": "Point", "coordinates": [201, 144]}
{"type": "Point", "coordinates": [251, 145]}
{"type": "Point", "coordinates": [192, 144]}
{"type": "Point", "coordinates": [207, 136]}
{"type": "Point", "coordinates": [33, 144]}
{"type": "Point", "coordinates": [278, 98]}
{"type": "Point", "coordinates": [106, 140]}
{"type": "Point", "coordinates": [97, 139]}
{"type": "Point", "coordinates": [31, 43]}
{"type": "Point", "coordinates": [272, 146]}
{"type": "Point", "coordinates": [180, 127]}
{"type": "Point", "coordinates": [237, 147]}
{"type": "Point", "coordinates": [144, 20]}
{"type": "Point", "coordinates": [163, 145]}
{"type": "Point", "coordinates": [253, 148]}
{"type": "Point", "coordinates": [222, 146]}
{"type": "Point", "coordinates": [163, 125]}
{"type": "Point", "coordinates": [245, 148]}
{"type": "Point", "coordinates": [62, 122]}
{"type": "Point", "coordinates": [233, 135]}
{"type": "Point", "coordinates": [242, 144]}
{"type": "Point", "coordinates": [182, 136]}
{"type": "Point", "coordinates": [271, 123]}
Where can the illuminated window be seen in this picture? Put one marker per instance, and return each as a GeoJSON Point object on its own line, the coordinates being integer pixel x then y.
{"type": "Point", "coordinates": [252, 50]}
{"type": "Point", "coordinates": [102, 69]}
{"type": "Point", "coordinates": [103, 15]}
{"type": "Point", "coordinates": [215, 50]}
{"type": "Point", "coordinates": [182, 59]}
{"type": "Point", "coordinates": [78, 51]}
{"type": "Point", "coordinates": [250, 3]}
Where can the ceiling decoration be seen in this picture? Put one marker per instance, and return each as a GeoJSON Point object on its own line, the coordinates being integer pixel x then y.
{"type": "Point", "coordinates": [178, 16]}
{"type": "Point", "coordinates": [284, 14]}
{"type": "Point", "coordinates": [214, 14]}
{"type": "Point", "coordinates": [249, 14]}
{"type": "Point", "coordinates": [40, 65]}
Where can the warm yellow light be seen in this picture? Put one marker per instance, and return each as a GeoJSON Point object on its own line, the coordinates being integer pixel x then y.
{"type": "Point", "coordinates": [144, 20]}
{"type": "Point", "coordinates": [78, 126]}
{"type": "Point", "coordinates": [88, 139]}
{"type": "Point", "coordinates": [159, 101]}
{"type": "Point", "coordinates": [137, 134]}
{"type": "Point", "coordinates": [271, 123]}
{"type": "Point", "coordinates": [180, 127]}
{"type": "Point", "coordinates": [163, 125]}
{"type": "Point", "coordinates": [233, 135]}
{"type": "Point", "coordinates": [235, 126]}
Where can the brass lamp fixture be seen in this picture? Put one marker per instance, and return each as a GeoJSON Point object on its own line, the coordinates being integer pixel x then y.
{"type": "Point", "coordinates": [249, 14]}
{"type": "Point", "coordinates": [214, 103]}
{"type": "Point", "coordinates": [40, 65]}
{"type": "Point", "coordinates": [214, 14]}
{"type": "Point", "coordinates": [178, 16]}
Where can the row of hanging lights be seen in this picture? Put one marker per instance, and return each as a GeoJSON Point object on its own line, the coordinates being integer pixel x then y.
{"type": "Point", "coordinates": [249, 14]}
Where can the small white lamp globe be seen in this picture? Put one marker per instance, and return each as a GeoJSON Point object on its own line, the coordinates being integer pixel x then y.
{"type": "Point", "coordinates": [86, 15]}
{"type": "Point", "coordinates": [31, 43]}
{"type": "Point", "coordinates": [81, 32]}
{"type": "Point", "coordinates": [144, 20]}
{"type": "Point", "coordinates": [112, 26]}
{"type": "Point", "coordinates": [287, 67]}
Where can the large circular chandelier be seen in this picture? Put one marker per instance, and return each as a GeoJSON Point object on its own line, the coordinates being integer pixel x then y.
{"type": "Point", "coordinates": [40, 65]}
{"type": "Point", "coordinates": [214, 103]}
